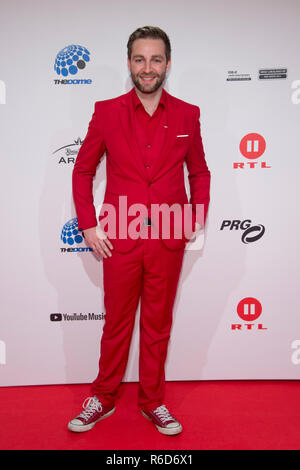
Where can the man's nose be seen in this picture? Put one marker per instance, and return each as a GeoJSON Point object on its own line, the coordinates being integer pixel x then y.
{"type": "Point", "coordinates": [147, 66]}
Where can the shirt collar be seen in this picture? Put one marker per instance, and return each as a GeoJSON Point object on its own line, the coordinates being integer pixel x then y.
{"type": "Point", "coordinates": [137, 101]}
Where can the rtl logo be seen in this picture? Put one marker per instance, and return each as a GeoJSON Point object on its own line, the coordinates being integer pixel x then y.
{"type": "Point", "coordinates": [249, 309]}
{"type": "Point", "coordinates": [252, 147]}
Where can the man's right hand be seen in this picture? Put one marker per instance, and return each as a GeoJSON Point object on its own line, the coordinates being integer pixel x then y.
{"type": "Point", "coordinates": [98, 241]}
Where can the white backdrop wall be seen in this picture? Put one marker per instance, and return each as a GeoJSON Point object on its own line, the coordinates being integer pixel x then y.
{"type": "Point", "coordinates": [218, 51]}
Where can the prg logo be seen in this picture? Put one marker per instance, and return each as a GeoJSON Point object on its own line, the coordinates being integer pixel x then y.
{"type": "Point", "coordinates": [70, 236]}
{"type": "Point", "coordinates": [251, 233]}
{"type": "Point", "coordinates": [71, 59]}
{"type": "Point", "coordinates": [252, 146]}
{"type": "Point", "coordinates": [248, 309]}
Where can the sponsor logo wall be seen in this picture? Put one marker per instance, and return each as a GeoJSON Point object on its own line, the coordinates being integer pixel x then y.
{"type": "Point", "coordinates": [235, 314]}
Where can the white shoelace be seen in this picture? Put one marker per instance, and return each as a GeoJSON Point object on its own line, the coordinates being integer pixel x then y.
{"type": "Point", "coordinates": [90, 405]}
{"type": "Point", "coordinates": [163, 413]}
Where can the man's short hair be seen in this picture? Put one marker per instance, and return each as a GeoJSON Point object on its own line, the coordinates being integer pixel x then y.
{"type": "Point", "coordinates": [152, 32]}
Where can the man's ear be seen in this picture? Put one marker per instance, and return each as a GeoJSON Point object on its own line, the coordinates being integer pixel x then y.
{"type": "Point", "coordinates": [168, 65]}
{"type": "Point", "coordinates": [128, 63]}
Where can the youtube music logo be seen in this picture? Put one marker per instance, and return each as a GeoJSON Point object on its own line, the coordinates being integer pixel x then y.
{"type": "Point", "coordinates": [249, 309]}
{"type": "Point", "coordinates": [75, 316]}
{"type": "Point", "coordinates": [55, 317]}
{"type": "Point", "coordinates": [252, 147]}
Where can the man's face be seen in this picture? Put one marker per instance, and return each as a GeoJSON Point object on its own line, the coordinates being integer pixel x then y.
{"type": "Point", "coordinates": [148, 65]}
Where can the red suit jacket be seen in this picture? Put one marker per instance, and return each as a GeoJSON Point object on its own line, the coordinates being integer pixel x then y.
{"type": "Point", "coordinates": [111, 130]}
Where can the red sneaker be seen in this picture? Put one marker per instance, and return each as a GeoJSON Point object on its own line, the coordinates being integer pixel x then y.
{"type": "Point", "coordinates": [93, 412]}
{"type": "Point", "coordinates": [163, 420]}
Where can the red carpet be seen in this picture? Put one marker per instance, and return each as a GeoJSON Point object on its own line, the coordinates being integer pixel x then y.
{"type": "Point", "coordinates": [215, 415]}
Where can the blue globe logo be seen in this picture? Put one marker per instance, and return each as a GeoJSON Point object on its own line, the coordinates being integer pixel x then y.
{"type": "Point", "coordinates": [70, 233]}
{"type": "Point", "coordinates": [71, 59]}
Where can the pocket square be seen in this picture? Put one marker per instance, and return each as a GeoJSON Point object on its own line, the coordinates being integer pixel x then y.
{"type": "Point", "coordinates": [183, 135]}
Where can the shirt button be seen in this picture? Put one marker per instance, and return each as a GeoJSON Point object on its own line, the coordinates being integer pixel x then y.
{"type": "Point", "coordinates": [148, 146]}
{"type": "Point", "coordinates": [147, 166]}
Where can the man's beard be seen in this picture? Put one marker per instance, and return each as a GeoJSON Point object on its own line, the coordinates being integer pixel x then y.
{"type": "Point", "coordinates": [159, 80]}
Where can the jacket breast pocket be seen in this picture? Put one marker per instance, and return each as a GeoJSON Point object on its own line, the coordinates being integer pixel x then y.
{"type": "Point", "coordinates": [182, 140]}
{"type": "Point", "coordinates": [181, 145]}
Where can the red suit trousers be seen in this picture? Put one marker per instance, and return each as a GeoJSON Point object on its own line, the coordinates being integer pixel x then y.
{"type": "Point", "coordinates": [149, 273]}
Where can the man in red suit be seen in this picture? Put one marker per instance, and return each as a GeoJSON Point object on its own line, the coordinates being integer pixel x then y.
{"type": "Point", "coordinates": [147, 136]}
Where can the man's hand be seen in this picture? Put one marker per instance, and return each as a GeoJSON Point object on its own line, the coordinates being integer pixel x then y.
{"type": "Point", "coordinates": [98, 241]}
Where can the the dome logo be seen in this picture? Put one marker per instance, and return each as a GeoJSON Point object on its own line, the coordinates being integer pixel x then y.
{"type": "Point", "coordinates": [71, 59]}
{"type": "Point", "coordinates": [72, 237]}
{"type": "Point", "coordinates": [68, 62]}
{"type": "Point", "coordinates": [70, 233]}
